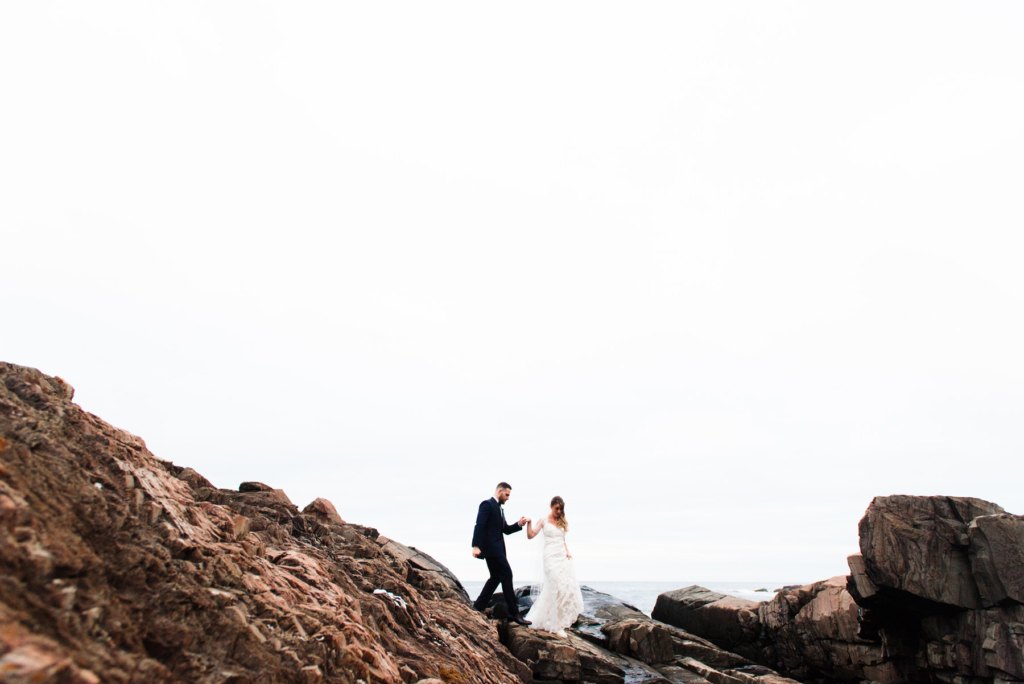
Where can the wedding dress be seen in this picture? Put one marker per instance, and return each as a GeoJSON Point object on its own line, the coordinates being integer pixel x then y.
{"type": "Point", "coordinates": [560, 601]}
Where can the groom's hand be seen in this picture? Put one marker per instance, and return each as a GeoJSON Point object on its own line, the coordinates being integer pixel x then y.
{"type": "Point", "coordinates": [476, 552]}
{"type": "Point", "coordinates": [523, 521]}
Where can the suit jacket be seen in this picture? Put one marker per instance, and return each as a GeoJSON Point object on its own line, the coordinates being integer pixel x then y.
{"type": "Point", "coordinates": [490, 526]}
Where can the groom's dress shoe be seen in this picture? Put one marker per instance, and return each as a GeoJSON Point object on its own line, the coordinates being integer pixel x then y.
{"type": "Point", "coordinates": [518, 619]}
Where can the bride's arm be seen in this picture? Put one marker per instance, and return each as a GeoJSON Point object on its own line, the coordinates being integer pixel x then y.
{"type": "Point", "coordinates": [567, 554]}
{"type": "Point", "coordinates": [532, 531]}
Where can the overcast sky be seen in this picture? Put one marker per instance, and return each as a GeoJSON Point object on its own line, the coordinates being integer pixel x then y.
{"type": "Point", "coordinates": [716, 273]}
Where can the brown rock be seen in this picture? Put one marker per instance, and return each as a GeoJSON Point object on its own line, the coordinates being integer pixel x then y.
{"type": "Point", "coordinates": [810, 633]}
{"type": "Point", "coordinates": [118, 569]}
{"type": "Point", "coordinates": [724, 620]}
{"type": "Point", "coordinates": [325, 510]}
{"type": "Point", "coordinates": [997, 557]}
{"type": "Point", "coordinates": [645, 640]}
{"type": "Point", "coordinates": [194, 479]}
{"type": "Point", "coordinates": [547, 656]}
{"type": "Point", "coordinates": [425, 572]}
{"type": "Point", "coordinates": [254, 487]}
{"type": "Point", "coordinates": [860, 585]}
{"type": "Point", "coordinates": [919, 545]}
{"type": "Point", "coordinates": [571, 657]}
{"type": "Point", "coordinates": [813, 632]}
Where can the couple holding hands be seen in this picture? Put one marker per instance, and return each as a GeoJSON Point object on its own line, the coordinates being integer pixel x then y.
{"type": "Point", "coordinates": [560, 600]}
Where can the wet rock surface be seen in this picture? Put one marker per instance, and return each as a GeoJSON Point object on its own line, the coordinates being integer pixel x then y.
{"type": "Point", "coordinates": [118, 567]}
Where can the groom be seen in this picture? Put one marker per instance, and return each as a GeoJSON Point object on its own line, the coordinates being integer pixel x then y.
{"type": "Point", "coordinates": [490, 545]}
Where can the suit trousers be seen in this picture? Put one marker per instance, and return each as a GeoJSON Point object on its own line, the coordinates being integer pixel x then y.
{"type": "Point", "coordinates": [501, 573]}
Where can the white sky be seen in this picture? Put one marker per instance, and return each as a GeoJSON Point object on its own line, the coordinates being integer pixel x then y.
{"type": "Point", "coordinates": [716, 273]}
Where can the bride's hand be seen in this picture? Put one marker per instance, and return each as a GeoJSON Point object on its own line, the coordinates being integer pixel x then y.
{"type": "Point", "coordinates": [568, 555]}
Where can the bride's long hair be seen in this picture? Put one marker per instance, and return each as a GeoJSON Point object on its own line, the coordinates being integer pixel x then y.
{"type": "Point", "coordinates": [558, 508]}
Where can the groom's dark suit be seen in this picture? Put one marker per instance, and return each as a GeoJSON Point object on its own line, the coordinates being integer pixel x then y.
{"type": "Point", "coordinates": [487, 536]}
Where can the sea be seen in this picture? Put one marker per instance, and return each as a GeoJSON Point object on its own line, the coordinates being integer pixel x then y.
{"type": "Point", "coordinates": [643, 595]}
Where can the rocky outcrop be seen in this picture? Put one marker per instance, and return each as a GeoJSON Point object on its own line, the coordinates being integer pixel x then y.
{"type": "Point", "coordinates": [118, 567]}
{"type": "Point", "coordinates": [810, 633]}
{"type": "Point", "coordinates": [813, 633]}
{"type": "Point", "coordinates": [613, 642]}
{"type": "Point", "coordinates": [919, 545]}
{"type": "Point", "coordinates": [958, 611]}
{"type": "Point", "coordinates": [936, 595]}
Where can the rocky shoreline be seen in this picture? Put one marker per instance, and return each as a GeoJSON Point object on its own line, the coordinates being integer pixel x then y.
{"type": "Point", "coordinates": [116, 566]}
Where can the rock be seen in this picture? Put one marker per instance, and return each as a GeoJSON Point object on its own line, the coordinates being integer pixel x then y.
{"type": "Point", "coordinates": [997, 557]}
{"type": "Point", "coordinates": [325, 510]}
{"type": "Point", "coordinates": [117, 568]}
{"type": "Point", "coordinates": [194, 479]}
{"type": "Point", "coordinates": [860, 585]}
{"type": "Point", "coordinates": [425, 573]}
{"type": "Point", "coordinates": [547, 656]}
{"type": "Point", "coordinates": [643, 639]}
{"type": "Point", "coordinates": [941, 585]}
{"type": "Point", "coordinates": [811, 633]}
{"type": "Point", "coordinates": [611, 641]}
{"type": "Point", "coordinates": [729, 622]}
{"type": "Point", "coordinates": [919, 545]}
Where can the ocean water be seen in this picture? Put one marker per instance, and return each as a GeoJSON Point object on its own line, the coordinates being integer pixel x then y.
{"type": "Point", "coordinates": [643, 595]}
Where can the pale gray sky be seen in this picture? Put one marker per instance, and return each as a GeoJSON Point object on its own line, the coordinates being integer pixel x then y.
{"type": "Point", "coordinates": [715, 273]}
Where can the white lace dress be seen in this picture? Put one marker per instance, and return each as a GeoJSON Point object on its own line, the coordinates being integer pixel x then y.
{"type": "Point", "coordinates": [560, 601]}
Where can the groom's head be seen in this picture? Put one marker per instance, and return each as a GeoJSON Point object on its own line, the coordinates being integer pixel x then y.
{"type": "Point", "coordinates": [503, 491]}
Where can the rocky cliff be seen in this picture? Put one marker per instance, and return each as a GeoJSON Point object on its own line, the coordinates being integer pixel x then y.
{"type": "Point", "coordinates": [118, 567]}
{"type": "Point", "coordinates": [936, 595]}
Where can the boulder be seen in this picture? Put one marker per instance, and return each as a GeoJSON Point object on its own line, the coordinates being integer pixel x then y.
{"type": "Point", "coordinates": [254, 487]}
{"type": "Point", "coordinates": [729, 622]}
{"type": "Point", "coordinates": [919, 545]}
{"type": "Point", "coordinates": [324, 510]}
{"type": "Point", "coordinates": [941, 583]}
{"type": "Point", "coordinates": [642, 639]}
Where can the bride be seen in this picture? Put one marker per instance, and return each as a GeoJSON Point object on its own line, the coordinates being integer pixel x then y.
{"type": "Point", "coordinates": [560, 601]}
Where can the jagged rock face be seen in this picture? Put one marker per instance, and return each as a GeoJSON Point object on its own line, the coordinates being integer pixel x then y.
{"type": "Point", "coordinates": [919, 545]}
{"type": "Point", "coordinates": [118, 567]}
